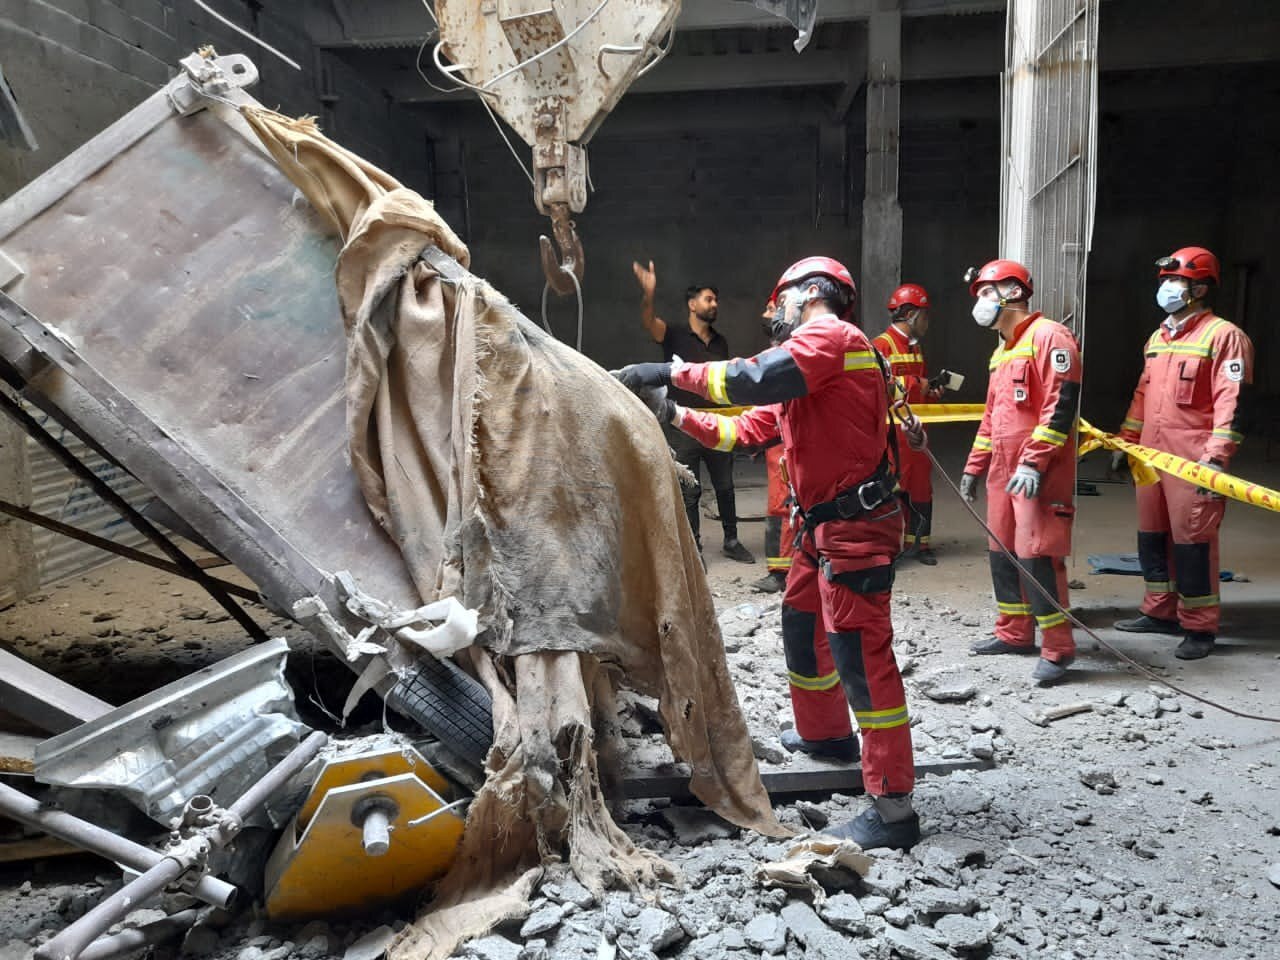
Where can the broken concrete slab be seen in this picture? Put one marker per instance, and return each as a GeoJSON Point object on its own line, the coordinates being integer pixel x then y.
{"type": "Point", "coordinates": [985, 719]}
{"type": "Point", "coordinates": [766, 932]}
{"type": "Point", "coordinates": [820, 942]}
{"type": "Point", "coordinates": [982, 746]}
{"type": "Point", "coordinates": [963, 933]}
{"type": "Point", "coordinates": [949, 851]}
{"type": "Point", "coordinates": [948, 687]}
{"type": "Point", "coordinates": [656, 929]}
{"type": "Point", "coordinates": [844, 912]}
{"type": "Point", "coordinates": [492, 947]}
{"type": "Point", "coordinates": [1143, 704]}
{"type": "Point", "coordinates": [911, 945]}
{"type": "Point", "coordinates": [374, 944]}
{"type": "Point", "coordinates": [935, 901]}
{"type": "Point", "coordinates": [696, 825]}
{"type": "Point", "coordinates": [541, 921]}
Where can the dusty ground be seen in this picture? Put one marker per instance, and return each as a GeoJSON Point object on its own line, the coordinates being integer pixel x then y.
{"type": "Point", "coordinates": [1144, 828]}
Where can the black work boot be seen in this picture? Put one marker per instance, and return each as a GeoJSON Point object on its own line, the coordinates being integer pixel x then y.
{"type": "Point", "coordinates": [842, 748]}
{"type": "Point", "coordinates": [734, 550]}
{"type": "Point", "coordinates": [775, 581]}
{"type": "Point", "coordinates": [1196, 645]}
{"type": "Point", "coordinates": [869, 831]}
{"type": "Point", "coordinates": [994, 645]}
{"type": "Point", "coordinates": [1049, 672]}
{"type": "Point", "coordinates": [926, 557]}
{"type": "Point", "coordinates": [1145, 624]}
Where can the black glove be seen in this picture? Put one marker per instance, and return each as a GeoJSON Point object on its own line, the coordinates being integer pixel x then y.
{"type": "Point", "coordinates": [656, 399]}
{"type": "Point", "coordinates": [636, 376]}
{"type": "Point", "coordinates": [938, 383]}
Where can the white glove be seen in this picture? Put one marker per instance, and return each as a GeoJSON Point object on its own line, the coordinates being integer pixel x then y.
{"type": "Point", "coordinates": [1025, 480]}
{"type": "Point", "coordinates": [1118, 459]}
{"type": "Point", "coordinates": [969, 487]}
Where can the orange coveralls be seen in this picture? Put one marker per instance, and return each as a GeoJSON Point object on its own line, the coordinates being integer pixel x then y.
{"type": "Point", "coordinates": [1186, 403]}
{"type": "Point", "coordinates": [1033, 393]}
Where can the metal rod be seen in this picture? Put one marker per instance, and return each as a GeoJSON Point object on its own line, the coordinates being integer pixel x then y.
{"type": "Point", "coordinates": [127, 941]}
{"type": "Point", "coordinates": [91, 837]}
{"type": "Point", "coordinates": [126, 510]}
{"type": "Point", "coordinates": [375, 832]}
{"type": "Point", "coordinates": [119, 549]}
{"type": "Point", "coordinates": [74, 939]}
{"type": "Point", "coordinates": [277, 776]}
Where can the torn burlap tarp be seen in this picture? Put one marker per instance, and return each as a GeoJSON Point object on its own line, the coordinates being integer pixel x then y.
{"type": "Point", "coordinates": [517, 475]}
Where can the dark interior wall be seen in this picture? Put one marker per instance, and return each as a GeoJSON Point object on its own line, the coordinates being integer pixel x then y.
{"type": "Point", "coordinates": [725, 207]}
{"type": "Point", "coordinates": [1192, 169]}
{"type": "Point", "coordinates": [734, 204]}
{"type": "Point", "coordinates": [78, 65]}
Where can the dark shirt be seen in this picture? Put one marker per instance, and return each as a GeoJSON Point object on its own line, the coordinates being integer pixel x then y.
{"type": "Point", "coordinates": [688, 346]}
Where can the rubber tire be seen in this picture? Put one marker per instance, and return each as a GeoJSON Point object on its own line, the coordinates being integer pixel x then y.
{"type": "Point", "coordinates": [449, 704]}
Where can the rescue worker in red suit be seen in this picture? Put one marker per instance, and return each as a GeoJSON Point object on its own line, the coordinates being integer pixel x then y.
{"type": "Point", "coordinates": [900, 346]}
{"type": "Point", "coordinates": [1026, 446]}
{"type": "Point", "coordinates": [1187, 403]}
{"type": "Point", "coordinates": [825, 392]}
{"type": "Point", "coordinates": [779, 532]}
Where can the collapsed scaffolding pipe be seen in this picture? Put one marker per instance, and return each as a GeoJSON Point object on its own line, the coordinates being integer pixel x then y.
{"type": "Point", "coordinates": [129, 941]}
{"type": "Point", "coordinates": [88, 836]}
{"type": "Point", "coordinates": [218, 828]}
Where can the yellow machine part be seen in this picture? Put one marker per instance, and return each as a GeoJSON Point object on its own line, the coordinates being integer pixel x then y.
{"type": "Point", "coordinates": [320, 869]}
{"type": "Point", "coordinates": [370, 766]}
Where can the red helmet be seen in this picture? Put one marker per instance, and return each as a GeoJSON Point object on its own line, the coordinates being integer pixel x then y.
{"type": "Point", "coordinates": [909, 295]}
{"type": "Point", "coordinates": [816, 267]}
{"type": "Point", "coordinates": [997, 271]}
{"type": "Point", "coordinates": [1191, 263]}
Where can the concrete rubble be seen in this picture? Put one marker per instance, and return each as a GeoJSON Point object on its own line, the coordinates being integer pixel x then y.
{"type": "Point", "coordinates": [1071, 846]}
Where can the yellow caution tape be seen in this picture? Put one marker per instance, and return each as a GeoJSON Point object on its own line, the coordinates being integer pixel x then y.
{"type": "Point", "coordinates": [1145, 463]}
{"type": "Point", "coordinates": [948, 412]}
{"type": "Point", "coordinates": [1197, 473]}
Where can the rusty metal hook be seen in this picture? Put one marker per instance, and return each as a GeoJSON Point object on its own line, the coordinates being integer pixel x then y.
{"type": "Point", "coordinates": [562, 263]}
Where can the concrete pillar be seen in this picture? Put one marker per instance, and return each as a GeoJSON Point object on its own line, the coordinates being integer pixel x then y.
{"type": "Point", "coordinates": [881, 215]}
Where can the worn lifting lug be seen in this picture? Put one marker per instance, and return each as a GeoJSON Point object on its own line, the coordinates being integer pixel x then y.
{"type": "Point", "coordinates": [562, 263]}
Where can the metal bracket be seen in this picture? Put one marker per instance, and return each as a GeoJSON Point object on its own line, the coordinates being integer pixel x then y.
{"type": "Point", "coordinates": [559, 167]}
{"type": "Point", "coordinates": [206, 76]}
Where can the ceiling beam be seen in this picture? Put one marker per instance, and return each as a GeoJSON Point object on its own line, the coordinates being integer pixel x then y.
{"type": "Point", "coordinates": [785, 68]}
{"type": "Point", "coordinates": [339, 24]}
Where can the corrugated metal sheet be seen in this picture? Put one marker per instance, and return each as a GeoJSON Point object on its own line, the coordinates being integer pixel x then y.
{"type": "Point", "coordinates": [1050, 101]}
{"type": "Point", "coordinates": [59, 494]}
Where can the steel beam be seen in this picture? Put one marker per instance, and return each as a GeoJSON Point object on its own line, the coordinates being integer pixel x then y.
{"type": "Point", "coordinates": [42, 699]}
{"type": "Point", "coordinates": [803, 777]}
{"type": "Point", "coordinates": [377, 24]}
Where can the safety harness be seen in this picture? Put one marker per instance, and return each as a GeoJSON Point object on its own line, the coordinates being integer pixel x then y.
{"type": "Point", "coordinates": [862, 498]}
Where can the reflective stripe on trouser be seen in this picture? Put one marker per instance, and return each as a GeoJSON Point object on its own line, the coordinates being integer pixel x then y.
{"type": "Point", "coordinates": [1178, 551]}
{"type": "Point", "coordinates": [860, 633]}
{"type": "Point", "coordinates": [1021, 608]}
{"type": "Point", "coordinates": [779, 534]}
{"type": "Point", "coordinates": [1038, 531]}
{"type": "Point", "coordinates": [919, 522]}
{"type": "Point", "coordinates": [817, 702]}
{"type": "Point", "coordinates": [778, 544]}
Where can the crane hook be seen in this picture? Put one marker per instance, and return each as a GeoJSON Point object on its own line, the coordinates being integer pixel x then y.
{"type": "Point", "coordinates": [566, 256]}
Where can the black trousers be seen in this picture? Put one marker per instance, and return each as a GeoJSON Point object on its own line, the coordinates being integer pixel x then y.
{"type": "Point", "coordinates": [719, 466]}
